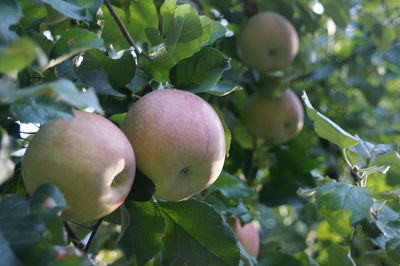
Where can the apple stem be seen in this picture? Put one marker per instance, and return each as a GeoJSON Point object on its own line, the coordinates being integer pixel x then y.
{"type": "Point", "coordinates": [122, 27]}
{"type": "Point", "coordinates": [95, 229]}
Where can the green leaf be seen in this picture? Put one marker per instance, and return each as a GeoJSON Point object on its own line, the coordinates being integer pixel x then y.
{"type": "Point", "coordinates": [231, 187]}
{"type": "Point", "coordinates": [143, 235]}
{"type": "Point", "coordinates": [7, 255]}
{"type": "Point", "coordinates": [18, 55]}
{"type": "Point", "coordinates": [72, 42]}
{"type": "Point", "coordinates": [327, 129]}
{"type": "Point", "coordinates": [338, 256]}
{"type": "Point", "coordinates": [48, 101]}
{"type": "Point", "coordinates": [139, 81]}
{"type": "Point", "coordinates": [167, 14]}
{"type": "Point", "coordinates": [41, 109]}
{"type": "Point", "coordinates": [338, 11]}
{"type": "Point", "coordinates": [6, 165]}
{"type": "Point", "coordinates": [48, 197]}
{"type": "Point", "coordinates": [275, 258]}
{"type": "Point", "coordinates": [79, 10]}
{"type": "Point", "coordinates": [393, 249]}
{"type": "Point", "coordinates": [212, 30]}
{"type": "Point", "coordinates": [343, 205]}
{"type": "Point", "coordinates": [145, 18]}
{"type": "Point", "coordinates": [200, 72]}
{"type": "Point", "coordinates": [183, 37]}
{"type": "Point", "coordinates": [196, 234]}
{"type": "Point", "coordinates": [10, 13]}
{"type": "Point", "coordinates": [223, 88]}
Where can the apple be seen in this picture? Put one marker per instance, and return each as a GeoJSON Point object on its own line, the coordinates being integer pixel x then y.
{"type": "Point", "coordinates": [88, 158]}
{"type": "Point", "coordinates": [268, 42]}
{"type": "Point", "coordinates": [247, 235]}
{"type": "Point", "coordinates": [275, 119]}
{"type": "Point", "coordinates": [179, 142]}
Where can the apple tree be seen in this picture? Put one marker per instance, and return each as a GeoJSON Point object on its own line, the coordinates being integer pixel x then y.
{"type": "Point", "coordinates": [299, 104]}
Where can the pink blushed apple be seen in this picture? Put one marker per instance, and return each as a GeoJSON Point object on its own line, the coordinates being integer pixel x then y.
{"type": "Point", "coordinates": [179, 142]}
{"type": "Point", "coordinates": [88, 158]}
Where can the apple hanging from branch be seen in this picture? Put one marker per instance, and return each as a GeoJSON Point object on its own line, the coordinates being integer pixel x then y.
{"type": "Point", "coordinates": [179, 142]}
{"type": "Point", "coordinates": [268, 42]}
{"type": "Point", "coordinates": [88, 158]}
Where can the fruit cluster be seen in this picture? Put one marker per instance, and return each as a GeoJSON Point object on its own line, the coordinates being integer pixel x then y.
{"type": "Point", "coordinates": [175, 138]}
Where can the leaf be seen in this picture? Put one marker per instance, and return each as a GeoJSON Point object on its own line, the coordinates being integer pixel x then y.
{"type": "Point", "coordinates": [327, 129]}
{"type": "Point", "coordinates": [72, 9]}
{"type": "Point", "coordinates": [392, 55]}
{"type": "Point", "coordinates": [393, 249]}
{"type": "Point", "coordinates": [343, 205]}
{"type": "Point", "coordinates": [338, 11]}
{"type": "Point", "coordinates": [212, 30]}
{"type": "Point", "coordinates": [338, 256]}
{"type": "Point", "coordinates": [200, 72]}
{"type": "Point", "coordinates": [275, 258]}
{"type": "Point", "coordinates": [322, 73]}
{"type": "Point", "coordinates": [145, 18]}
{"type": "Point", "coordinates": [48, 101]}
{"type": "Point", "coordinates": [48, 197]}
{"type": "Point", "coordinates": [167, 14]}
{"type": "Point", "coordinates": [72, 42]}
{"type": "Point", "coordinates": [231, 187]}
{"type": "Point", "coordinates": [143, 235]}
{"type": "Point", "coordinates": [104, 74]}
{"type": "Point", "coordinates": [10, 13]}
{"type": "Point", "coordinates": [17, 55]}
{"type": "Point", "coordinates": [6, 165]}
{"type": "Point", "coordinates": [139, 81]}
{"type": "Point", "coordinates": [7, 255]}
{"type": "Point", "coordinates": [196, 234]}
{"type": "Point", "coordinates": [223, 88]}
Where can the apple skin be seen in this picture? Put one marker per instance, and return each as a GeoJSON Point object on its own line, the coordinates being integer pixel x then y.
{"type": "Point", "coordinates": [247, 235]}
{"type": "Point", "coordinates": [179, 142]}
{"type": "Point", "coordinates": [275, 119]}
{"type": "Point", "coordinates": [88, 158]}
{"type": "Point", "coordinates": [268, 42]}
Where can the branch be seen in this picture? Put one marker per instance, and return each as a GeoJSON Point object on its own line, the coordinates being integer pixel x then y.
{"type": "Point", "coordinates": [95, 229]}
{"type": "Point", "coordinates": [122, 27]}
{"type": "Point", "coordinates": [73, 237]}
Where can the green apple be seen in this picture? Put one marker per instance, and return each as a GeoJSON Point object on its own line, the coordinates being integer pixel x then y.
{"type": "Point", "coordinates": [88, 158]}
{"type": "Point", "coordinates": [247, 235]}
{"type": "Point", "coordinates": [275, 119]}
{"type": "Point", "coordinates": [179, 142]}
{"type": "Point", "coordinates": [268, 42]}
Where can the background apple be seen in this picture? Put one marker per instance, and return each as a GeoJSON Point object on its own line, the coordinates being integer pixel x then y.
{"type": "Point", "coordinates": [88, 158]}
{"type": "Point", "coordinates": [268, 42]}
{"type": "Point", "coordinates": [179, 142]}
{"type": "Point", "coordinates": [275, 119]}
{"type": "Point", "coordinates": [247, 235]}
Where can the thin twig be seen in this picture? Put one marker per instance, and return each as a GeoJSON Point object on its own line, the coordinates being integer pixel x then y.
{"type": "Point", "coordinates": [121, 26]}
{"type": "Point", "coordinates": [73, 237]}
{"type": "Point", "coordinates": [95, 229]}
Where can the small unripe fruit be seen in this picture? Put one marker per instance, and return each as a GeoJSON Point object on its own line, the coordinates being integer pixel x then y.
{"type": "Point", "coordinates": [268, 42]}
{"type": "Point", "coordinates": [275, 119]}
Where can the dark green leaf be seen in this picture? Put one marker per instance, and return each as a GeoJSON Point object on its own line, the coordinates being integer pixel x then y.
{"type": "Point", "coordinates": [393, 249]}
{"type": "Point", "coordinates": [200, 72]}
{"type": "Point", "coordinates": [72, 9]}
{"type": "Point", "coordinates": [143, 235]}
{"type": "Point", "coordinates": [196, 234]}
{"type": "Point", "coordinates": [7, 255]}
{"type": "Point", "coordinates": [338, 256]}
{"type": "Point", "coordinates": [72, 42]}
{"type": "Point", "coordinates": [231, 187]}
{"type": "Point", "coordinates": [145, 18]}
